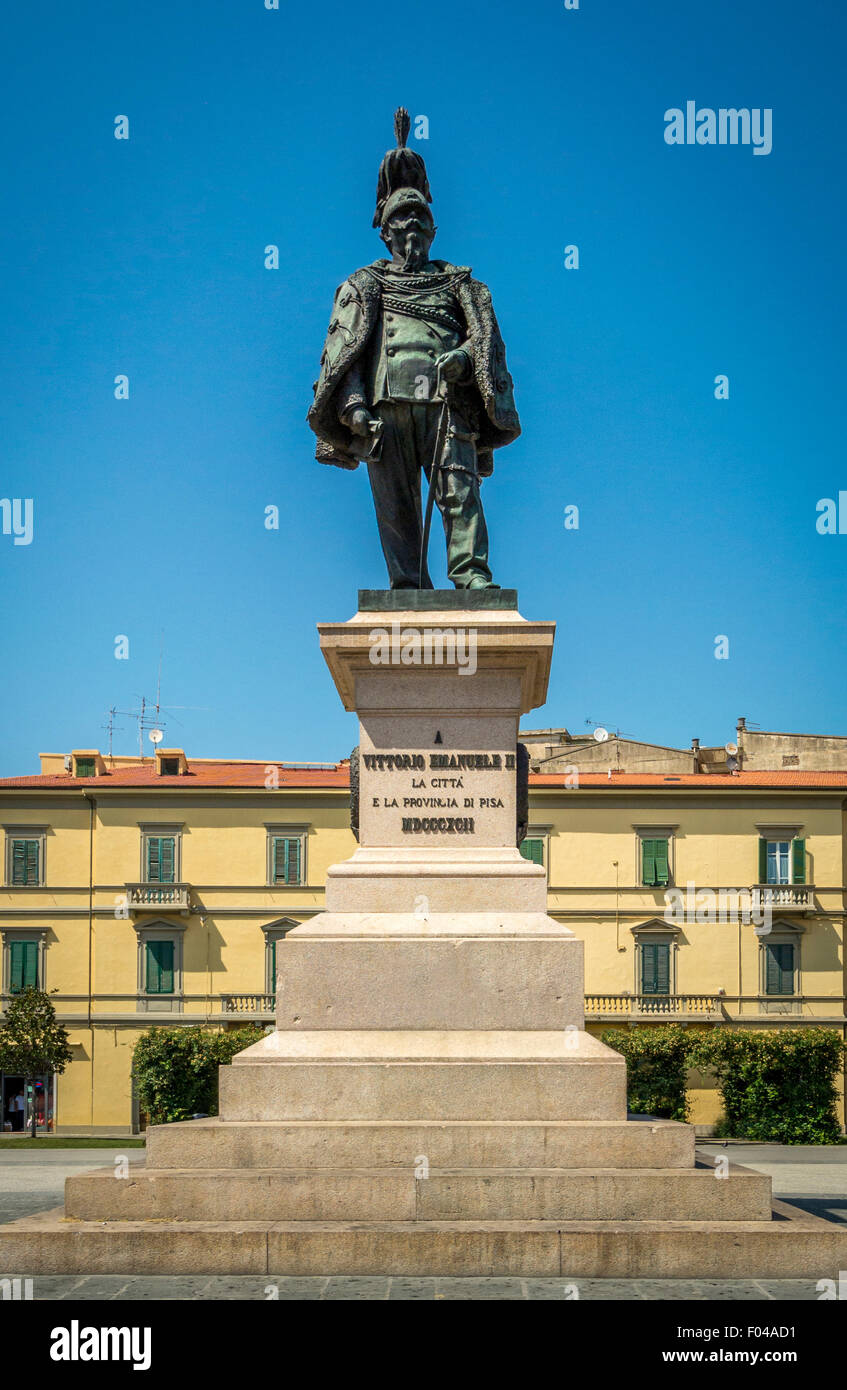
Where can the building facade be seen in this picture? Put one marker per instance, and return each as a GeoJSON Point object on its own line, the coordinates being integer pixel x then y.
{"type": "Point", "coordinates": [143, 893]}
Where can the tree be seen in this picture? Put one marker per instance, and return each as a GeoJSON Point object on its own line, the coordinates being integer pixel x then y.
{"type": "Point", "coordinates": [31, 1041]}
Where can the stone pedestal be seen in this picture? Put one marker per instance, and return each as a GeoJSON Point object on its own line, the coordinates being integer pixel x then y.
{"type": "Point", "coordinates": [434, 986]}
{"type": "Point", "coordinates": [429, 1102]}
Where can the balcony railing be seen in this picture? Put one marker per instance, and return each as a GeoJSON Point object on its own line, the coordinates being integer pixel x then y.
{"type": "Point", "coordinates": [702, 1006]}
{"type": "Point", "coordinates": [790, 897]}
{"type": "Point", "coordinates": [247, 1003]}
{"type": "Point", "coordinates": [144, 896]}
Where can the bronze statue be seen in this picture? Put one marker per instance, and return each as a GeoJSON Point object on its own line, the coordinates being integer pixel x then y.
{"type": "Point", "coordinates": [413, 377]}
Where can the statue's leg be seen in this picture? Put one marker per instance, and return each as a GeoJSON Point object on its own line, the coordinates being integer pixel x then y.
{"type": "Point", "coordinates": [396, 485]}
{"type": "Point", "coordinates": [458, 500]}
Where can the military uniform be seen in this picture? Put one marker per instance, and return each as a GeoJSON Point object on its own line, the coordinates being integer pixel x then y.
{"type": "Point", "coordinates": [421, 318]}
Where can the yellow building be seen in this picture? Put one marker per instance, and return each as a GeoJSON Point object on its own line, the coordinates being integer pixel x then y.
{"type": "Point", "coordinates": [157, 891]}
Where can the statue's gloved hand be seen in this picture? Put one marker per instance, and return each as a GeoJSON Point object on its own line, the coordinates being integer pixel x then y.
{"type": "Point", "coordinates": [454, 366]}
{"type": "Point", "coordinates": [358, 420]}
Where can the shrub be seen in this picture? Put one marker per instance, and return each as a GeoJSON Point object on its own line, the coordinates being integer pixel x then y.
{"type": "Point", "coordinates": [656, 1067]}
{"type": "Point", "coordinates": [176, 1069]}
{"type": "Point", "coordinates": [776, 1085]}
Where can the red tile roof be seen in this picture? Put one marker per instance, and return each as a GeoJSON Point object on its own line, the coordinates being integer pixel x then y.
{"type": "Point", "coordinates": [705, 780]}
{"type": "Point", "coordinates": [200, 774]}
{"type": "Point", "coordinates": [208, 773]}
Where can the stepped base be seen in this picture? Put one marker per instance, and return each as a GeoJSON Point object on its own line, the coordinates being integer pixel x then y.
{"type": "Point", "coordinates": [321, 1144]}
{"type": "Point", "coordinates": [426, 1074]}
{"type": "Point", "coordinates": [378, 1194]}
{"type": "Point", "coordinates": [791, 1246]}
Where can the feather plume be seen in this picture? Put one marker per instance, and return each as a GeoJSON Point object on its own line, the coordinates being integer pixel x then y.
{"type": "Point", "coordinates": [402, 125]}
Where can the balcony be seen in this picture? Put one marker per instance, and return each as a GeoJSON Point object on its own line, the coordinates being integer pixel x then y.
{"type": "Point", "coordinates": [785, 897]}
{"type": "Point", "coordinates": [703, 1008]}
{"type": "Point", "coordinates": [148, 897]}
{"type": "Point", "coordinates": [248, 1005]}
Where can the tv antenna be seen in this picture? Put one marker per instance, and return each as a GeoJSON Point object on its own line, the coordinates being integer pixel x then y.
{"type": "Point", "coordinates": [149, 716]}
{"type": "Point", "coordinates": [111, 727]}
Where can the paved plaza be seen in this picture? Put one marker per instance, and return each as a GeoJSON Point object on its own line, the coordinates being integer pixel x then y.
{"type": "Point", "coordinates": [812, 1178]}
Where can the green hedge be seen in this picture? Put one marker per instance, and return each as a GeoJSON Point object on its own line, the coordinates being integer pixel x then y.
{"type": "Point", "coordinates": [777, 1085]}
{"type": "Point", "coordinates": [657, 1068]}
{"type": "Point", "coordinates": [176, 1069]}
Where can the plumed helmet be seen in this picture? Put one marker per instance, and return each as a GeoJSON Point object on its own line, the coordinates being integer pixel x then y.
{"type": "Point", "coordinates": [401, 170]}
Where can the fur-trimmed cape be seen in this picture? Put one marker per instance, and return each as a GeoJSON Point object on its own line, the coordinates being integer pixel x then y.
{"type": "Point", "coordinates": [487, 398]}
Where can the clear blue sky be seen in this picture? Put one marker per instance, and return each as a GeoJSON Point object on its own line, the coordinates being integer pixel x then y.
{"type": "Point", "coordinates": [249, 126]}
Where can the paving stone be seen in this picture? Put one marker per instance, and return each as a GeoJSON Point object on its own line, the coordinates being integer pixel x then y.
{"type": "Point", "coordinates": [702, 1290]}
{"type": "Point", "coordinates": [359, 1286]}
{"type": "Point", "coordinates": [479, 1289]}
{"type": "Point", "coordinates": [293, 1288]}
{"type": "Point", "coordinates": [408, 1289]}
{"type": "Point", "coordinates": [803, 1290]}
{"type": "Point", "coordinates": [150, 1288]}
{"type": "Point", "coordinates": [570, 1290]}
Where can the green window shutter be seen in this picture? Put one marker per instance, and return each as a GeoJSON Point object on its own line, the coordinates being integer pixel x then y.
{"type": "Point", "coordinates": [661, 860]}
{"type": "Point", "coordinates": [160, 858]}
{"type": "Point", "coordinates": [663, 968]}
{"type": "Point", "coordinates": [763, 861]}
{"type": "Point", "coordinates": [648, 862]}
{"type": "Point", "coordinates": [655, 967]}
{"type": "Point", "coordinates": [85, 767]}
{"type": "Point", "coordinates": [798, 861]}
{"type": "Point", "coordinates": [286, 862]}
{"type": "Point", "coordinates": [24, 862]}
{"type": "Point", "coordinates": [779, 969]}
{"type": "Point", "coordinates": [168, 859]}
{"type": "Point", "coordinates": [160, 967]}
{"type": "Point", "coordinates": [23, 972]}
{"type": "Point", "coordinates": [273, 966]}
{"type": "Point", "coordinates": [533, 850]}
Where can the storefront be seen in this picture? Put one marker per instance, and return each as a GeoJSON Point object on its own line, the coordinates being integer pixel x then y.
{"type": "Point", "coordinates": [19, 1098]}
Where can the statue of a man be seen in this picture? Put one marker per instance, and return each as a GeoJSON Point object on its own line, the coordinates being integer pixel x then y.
{"type": "Point", "coordinates": [413, 378]}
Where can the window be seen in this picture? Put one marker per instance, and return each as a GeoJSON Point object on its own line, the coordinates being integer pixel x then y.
{"type": "Point", "coordinates": [655, 967]}
{"type": "Point", "coordinates": [169, 767]}
{"type": "Point", "coordinates": [160, 859]}
{"type": "Point", "coordinates": [25, 862]}
{"type": "Point", "coordinates": [23, 965]}
{"type": "Point", "coordinates": [274, 934]}
{"type": "Point", "coordinates": [533, 850]}
{"type": "Point", "coordinates": [86, 767]}
{"type": "Point", "coordinates": [779, 968]}
{"type": "Point", "coordinates": [160, 966]}
{"type": "Point", "coordinates": [782, 861]}
{"type": "Point", "coordinates": [286, 855]}
{"type": "Point", "coordinates": [159, 975]}
{"type": "Point", "coordinates": [655, 871]}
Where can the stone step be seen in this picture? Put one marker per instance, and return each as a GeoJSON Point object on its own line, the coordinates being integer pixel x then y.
{"type": "Point", "coordinates": [425, 1075]}
{"type": "Point", "coordinates": [379, 1195]}
{"type": "Point", "coordinates": [216, 1143]}
{"type": "Point", "coordinates": [793, 1246]}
